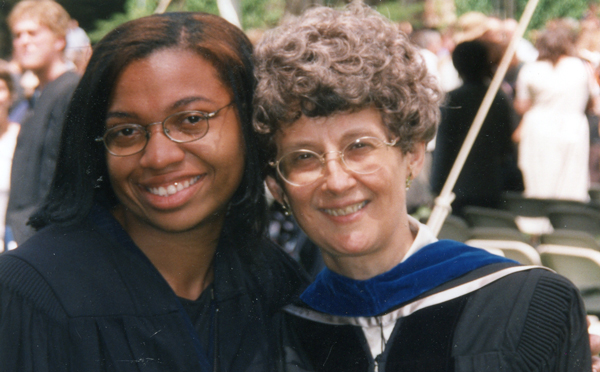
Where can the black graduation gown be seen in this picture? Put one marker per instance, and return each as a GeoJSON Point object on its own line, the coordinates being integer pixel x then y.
{"type": "Point", "coordinates": [85, 298]}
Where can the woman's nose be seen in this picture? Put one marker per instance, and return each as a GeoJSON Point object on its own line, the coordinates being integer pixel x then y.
{"type": "Point", "coordinates": [337, 177]}
{"type": "Point", "coordinates": [160, 151]}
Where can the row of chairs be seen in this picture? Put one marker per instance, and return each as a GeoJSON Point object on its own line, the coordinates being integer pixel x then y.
{"type": "Point", "coordinates": [580, 265]}
{"type": "Point", "coordinates": [538, 216]}
{"type": "Point", "coordinates": [569, 245]}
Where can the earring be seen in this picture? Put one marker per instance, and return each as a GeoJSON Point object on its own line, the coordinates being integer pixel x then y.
{"type": "Point", "coordinates": [286, 208]}
{"type": "Point", "coordinates": [408, 180]}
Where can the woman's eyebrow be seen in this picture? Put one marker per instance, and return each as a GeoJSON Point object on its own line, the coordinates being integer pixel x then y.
{"type": "Point", "coordinates": [188, 100]}
{"type": "Point", "coordinates": [175, 105]}
{"type": "Point", "coordinates": [119, 115]}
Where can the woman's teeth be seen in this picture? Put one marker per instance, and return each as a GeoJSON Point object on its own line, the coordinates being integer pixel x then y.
{"type": "Point", "coordinates": [345, 211]}
{"type": "Point", "coordinates": [174, 188]}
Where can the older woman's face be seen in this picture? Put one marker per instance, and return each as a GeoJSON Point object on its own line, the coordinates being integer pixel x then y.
{"type": "Point", "coordinates": [175, 186]}
{"type": "Point", "coordinates": [345, 213]}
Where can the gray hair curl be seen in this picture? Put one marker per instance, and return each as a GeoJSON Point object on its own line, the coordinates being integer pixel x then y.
{"type": "Point", "coordinates": [334, 61]}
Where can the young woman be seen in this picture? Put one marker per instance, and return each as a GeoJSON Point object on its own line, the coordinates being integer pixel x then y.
{"type": "Point", "coordinates": [152, 256]}
{"type": "Point", "coordinates": [345, 106]}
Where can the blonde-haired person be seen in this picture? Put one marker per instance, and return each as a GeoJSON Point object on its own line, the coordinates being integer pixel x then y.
{"type": "Point", "coordinates": [47, 13]}
{"type": "Point", "coordinates": [346, 106]}
{"type": "Point", "coordinates": [39, 31]}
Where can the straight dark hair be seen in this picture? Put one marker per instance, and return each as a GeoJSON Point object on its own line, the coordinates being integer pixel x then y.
{"type": "Point", "coordinates": [81, 177]}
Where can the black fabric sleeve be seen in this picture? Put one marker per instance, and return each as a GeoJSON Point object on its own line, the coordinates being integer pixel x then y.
{"type": "Point", "coordinates": [528, 321]}
{"type": "Point", "coordinates": [33, 328]}
{"type": "Point", "coordinates": [555, 328]}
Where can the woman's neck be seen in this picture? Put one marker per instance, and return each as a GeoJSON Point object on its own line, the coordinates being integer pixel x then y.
{"type": "Point", "coordinates": [184, 259]}
{"type": "Point", "coordinates": [371, 265]}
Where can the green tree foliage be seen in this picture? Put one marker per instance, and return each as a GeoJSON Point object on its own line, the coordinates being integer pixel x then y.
{"type": "Point", "coordinates": [132, 9]}
{"type": "Point", "coordinates": [550, 9]}
{"type": "Point", "coordinates": [545, 11]}
{"type": "Point", "coordinates": [397, 12]}
{"type": "Point", "coordinates": [255, 13]}
{"type": "Point", "coordinates": [87, 12]}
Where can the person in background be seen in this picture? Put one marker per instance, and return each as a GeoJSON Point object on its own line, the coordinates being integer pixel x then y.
{"type": "Point", "coordinates": [553, 135]}
{"type": "Point", "coordinates": [485, 173]}
{"type": "Point", "coordinates": [346, 106]}
{"type": "Point", "coordinates": [153, 255]}
{"type": "Point", "coordinates": [39, 29]}
{"type": "Point", "coordinates": [429, 42]}
{"type": "Point", "coordinates": [79, 47]}
{"type": "Point", "coordinates": [9, 131]}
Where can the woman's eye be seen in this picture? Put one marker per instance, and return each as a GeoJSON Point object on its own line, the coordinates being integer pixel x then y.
{"type": "Point", "coordinates": [126, 132]}
{"type": "Point", "coordinates": [305, 156]}
{"type": "Point", "coordinates": [192, 119]}
{"type": "Point", "coordinates": [361, 146]}
{"type": "Point", "coordinates": [122, 135]}
{"type": "Point", "coordinates": [300, 160]}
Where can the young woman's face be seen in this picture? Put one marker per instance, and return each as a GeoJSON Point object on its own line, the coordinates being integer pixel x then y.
{"type": "Point", "coordinates": [347, 214]}
{"type": "Point", "coordinates": [170, 186]}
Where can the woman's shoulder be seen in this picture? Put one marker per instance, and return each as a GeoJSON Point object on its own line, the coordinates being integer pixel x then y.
{"type": "Point", "coordinates": [532, 316]}
{"type": "Point", "coordinates": [50, 264]}
{"type": "Point", "coordinates": [65, 244]}
{"type": "Point", "coordinates": [278, 264]}
{"type": "Point", "coordinates": [81, 269]}
{"type": "Point", "coordinates": [276, 274]}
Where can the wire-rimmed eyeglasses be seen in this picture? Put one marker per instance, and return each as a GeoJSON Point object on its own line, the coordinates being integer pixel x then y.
{"type": "Point", "coordinates": [180, 127]}
{"type": "Point", "coordinates": [302, 167]}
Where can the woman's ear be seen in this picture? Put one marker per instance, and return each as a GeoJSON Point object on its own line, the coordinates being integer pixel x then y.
{"type": "Point", "coordinates": [416, 159]}
{"type": "Point", "coordinates": [275, 189]}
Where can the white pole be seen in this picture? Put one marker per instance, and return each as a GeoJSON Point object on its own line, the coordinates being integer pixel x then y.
{"type": "Point", "coordinates": [442, 203]}
{"type": "Point", "coordinates": [227, 11]}
{"type": "Point", "coordinates": [162, 6]}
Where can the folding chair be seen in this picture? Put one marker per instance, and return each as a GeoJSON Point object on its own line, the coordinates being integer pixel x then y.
{"type": "Point", "coordinates": [515, 250]}
{"type": "Point", "coordinates": [455, 228]}
{"type": "Point", "coordinates": [581, 266]}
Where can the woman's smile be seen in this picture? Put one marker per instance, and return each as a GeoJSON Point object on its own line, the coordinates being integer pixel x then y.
{"type": "Point", "coordinates": [173, 188]}
{"type": "Point", "coordinates": [172, 195]}
{"type": "Point", "coordinates": [350, 209]}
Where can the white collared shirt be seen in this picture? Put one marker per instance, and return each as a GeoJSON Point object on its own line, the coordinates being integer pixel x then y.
{"type": "Point", "coordinates": [378, 335]}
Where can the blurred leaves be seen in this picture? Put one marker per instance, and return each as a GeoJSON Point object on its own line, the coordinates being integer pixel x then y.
{"type": "Point", "coordinates": [545, 11]}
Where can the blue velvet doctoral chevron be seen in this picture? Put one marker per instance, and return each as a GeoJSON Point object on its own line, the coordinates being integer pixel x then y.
{"type": "Point", "coordinates": [431, 266]}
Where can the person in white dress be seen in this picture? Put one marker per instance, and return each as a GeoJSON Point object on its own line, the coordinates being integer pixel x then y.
{"type": "Point", "coordinates": [552, 94]}
{"type": "Point", "coordinates": [8, 140]}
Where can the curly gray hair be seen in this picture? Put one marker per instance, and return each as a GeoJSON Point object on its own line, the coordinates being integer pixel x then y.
{"type": "Point", "coordinates": [333, 61]}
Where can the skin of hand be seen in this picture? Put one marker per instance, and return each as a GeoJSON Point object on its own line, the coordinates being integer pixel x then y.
{"type": "Point", "coordinates": [595, 348]}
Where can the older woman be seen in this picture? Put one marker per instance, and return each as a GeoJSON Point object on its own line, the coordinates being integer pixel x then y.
{"type": "Point", "coordinates": [152, 257]}
{"type": "Point", "coordinates": [346, 107]}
